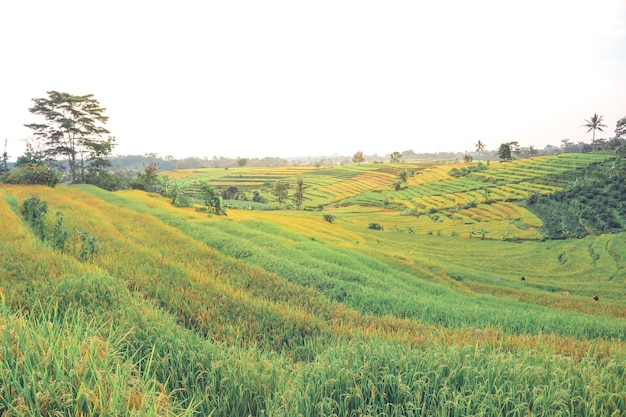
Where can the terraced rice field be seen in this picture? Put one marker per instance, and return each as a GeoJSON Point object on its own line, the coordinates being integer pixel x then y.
{"type": "Point", "coordinates": [294, 313]}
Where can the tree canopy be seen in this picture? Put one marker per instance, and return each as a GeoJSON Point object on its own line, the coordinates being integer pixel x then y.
{"type": "Point", "coordinates": [281, 191]}
{"type": "Point", "coordinates": [395, 157]}
{"type": "Point", "coordinates": [504, 152]}
{"type": "Point", "coordinates": [358, 157]}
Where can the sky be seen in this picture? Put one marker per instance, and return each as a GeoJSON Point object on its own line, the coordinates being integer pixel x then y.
{"type": "Point", "coordinates": [292, 78]}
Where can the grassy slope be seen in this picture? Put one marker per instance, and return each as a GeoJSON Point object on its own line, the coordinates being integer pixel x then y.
{"type": "Point", "coordinates": [285, 312]}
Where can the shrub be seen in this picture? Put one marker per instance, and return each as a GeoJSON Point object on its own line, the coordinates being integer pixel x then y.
{"type": "Point", "coordinates": [375, 226]}
{"type": "Point", "coordinates": [89, 246]}
{"type": "Point", "coordinates": [329, 217]}
{"type": "Point", "coordinates": [33, 174]}
{"type": "Point", "coordinates": [35, 213]}
{"type": "Point", "coordinates": [60, 235]}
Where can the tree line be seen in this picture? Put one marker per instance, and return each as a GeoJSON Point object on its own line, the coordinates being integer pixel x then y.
{"type": "Point", "coordinates": [508, 150]}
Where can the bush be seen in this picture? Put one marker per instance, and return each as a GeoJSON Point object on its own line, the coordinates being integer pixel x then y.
{"type": "Point", "coordinates": [374, 226]}
{"type": "Point", "coordinates": [35, 214]}
{"type": "Point", "coordinates": [329, 217]}
{"type": "Point", "coordinates": [33, 174]}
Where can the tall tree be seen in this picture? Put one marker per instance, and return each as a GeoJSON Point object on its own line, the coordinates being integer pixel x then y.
{"type": "Point", "coordinates": [620, 129]}
{"type": "Point", "coordinates": [480, 146]}
{"type": "Point", "coordinates": [504, 152]}
{"type": "Point", "coordinates": [620, 135]}
{"type": "Point", "coordinates": [4, 167]}
{"type": "Point", "coordinates": [73, 129]}
{"type": "Point", "coordinates": [281, 191]}
{"type": "Point", "coordinates": [395, 157]}
{"type": "Point", "coordinates": [211, 199]}
{"type": "Point", "coordinates": [593, 124]}
{"type": "Point", "coordinates": [298, 194]}
{"type": "Point", "coordinates": [357, 158]}
{"type": "Point", "coordinates": [566, 145]}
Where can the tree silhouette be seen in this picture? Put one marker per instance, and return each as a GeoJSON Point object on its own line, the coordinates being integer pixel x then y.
{"type": "Point", "coordinates": [504, 152]}
{"type": "Point", "coordinates": [73, 128]}
{"type": "Point", "coordinates": [298, 195]}
{"type": "Point", "coordinates": [480, 146]}
{"type": "Point", "coordinates": [593, 124]}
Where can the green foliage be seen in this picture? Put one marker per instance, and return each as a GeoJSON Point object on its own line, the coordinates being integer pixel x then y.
{"type": "Point", "coordinates": [280, 189]}
{"type": "Point", "coordinates": [358, 157]}
{"type": "Point", "coordinates": [375, 226]}
{"type": "Point", "coordinates": [465, 171]}
{"type": "Point", "coordinates": [73, 128]}
{"type": "Point", "coordinates": [148, 180]}
{"type": "Point", "coordinates": [172, 189]}
{"type": "Point", "coordinates": [211, 199]}
{"type": "Point", "coordinates": [89, 247]}
{"type": "Point", "coordinates": [249, 205]}
{"type": "Point", "coordinates": [469, 204]}
{"type": "Point", "coordinates": [594, 123]}
{"type": "Point", "coordinates": [35, 210]}
{"type": "Point", "coordinates": [60, 235]}
{"type": "Point", "coordinates": [108, 180]}
{"type": "Point", "coordinates": [329, 217]}
{"type": "Point", "coordinates": [35, 214]}
{"type": "Point", "coordinates": [620, 129]}
{"type": "Point", "coordinates": [33, 174]}
{"type": "Point", "coordinates": [32, 168]}
{"type": "Point", "coordinates": [504, 152]}
{"type": "Point", "coordinates": [395, 157]}
{"type": "Point", "coordinates": [396, 184]}
{"type": "Point", "coordinates": [298, 195]}
{"type": "Point", "coordinates": [592, 203]}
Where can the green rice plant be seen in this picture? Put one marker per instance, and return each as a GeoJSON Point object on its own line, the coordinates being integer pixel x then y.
{"type": "Point", "coordinates": [35, 214]}
{"type": "Point", "coordinates": [70, 364]}
{"type": "Point", "coordinates": [60, 235]}
{"type": "Point", "coordinates": [89, 247]}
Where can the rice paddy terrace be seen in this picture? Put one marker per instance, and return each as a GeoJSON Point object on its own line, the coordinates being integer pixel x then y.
{"type": "Point", "coordinates": [121, 304]}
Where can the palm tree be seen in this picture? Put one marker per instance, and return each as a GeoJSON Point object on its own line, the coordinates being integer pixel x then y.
{"type": "Point", "coordinates": [298, 195]}
{"type": "Point", "coordinates": [480, 146]}
{"type": "Point", "coordinates": [594, 123]}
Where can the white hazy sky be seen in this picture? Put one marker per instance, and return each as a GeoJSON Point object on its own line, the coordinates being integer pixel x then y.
{"type": "Point", "coordinates": [308, 78]}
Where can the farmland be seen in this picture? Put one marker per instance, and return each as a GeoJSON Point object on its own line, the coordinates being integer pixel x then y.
{"type": "Point", "coordinates": [287, 312]}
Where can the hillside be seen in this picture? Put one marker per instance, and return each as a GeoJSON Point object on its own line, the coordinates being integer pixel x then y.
{"type": "Point", "coordinates": [123, 304]}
